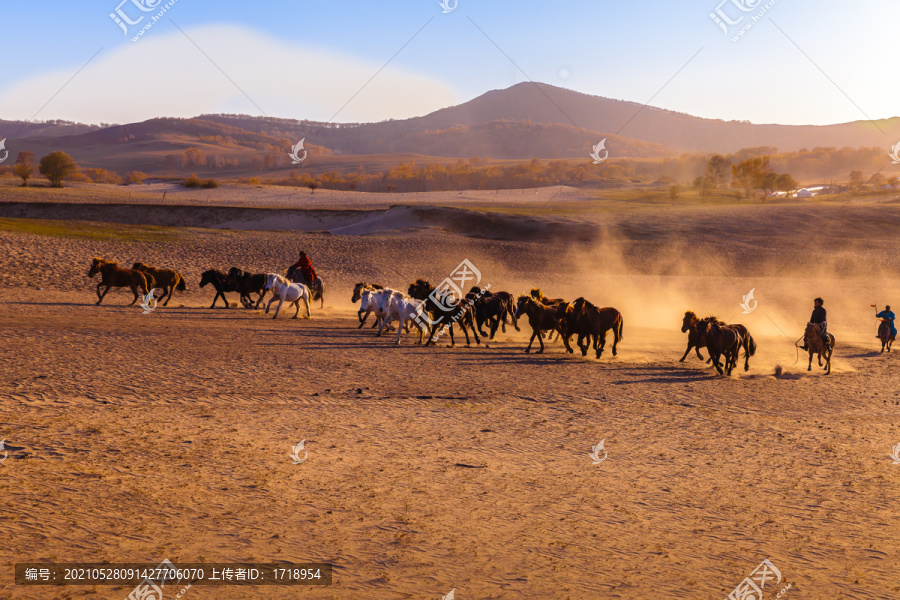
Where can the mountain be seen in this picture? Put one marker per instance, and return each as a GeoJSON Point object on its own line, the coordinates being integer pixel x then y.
{"type": "Point", "coordinates": [527, 120]}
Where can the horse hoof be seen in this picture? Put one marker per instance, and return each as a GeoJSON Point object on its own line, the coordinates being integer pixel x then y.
{"type": "Point", "coordinates": [539, 352]}
{"type": "Point", "coordinates": [528, 352]}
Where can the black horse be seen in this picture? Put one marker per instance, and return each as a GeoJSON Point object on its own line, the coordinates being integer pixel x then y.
{"type": "Point", "coordinates": [493, 309]}
{"type": "Point", "coordinates": [246, 284]}
{"type": "Point", "coordinates": [219, 280]}
{"type": "Point", "coordinates": [459, 313]}
{"type": "Point", "coordinates": [316, 288]}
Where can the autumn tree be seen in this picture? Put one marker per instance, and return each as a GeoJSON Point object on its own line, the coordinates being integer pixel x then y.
{"type": "Point", "coordinates": [717, 169]}
{"type": "Point", "coordinates": [856, 180]}
{"type": "Point", "coordinates": [57, 166]}
{"type": "Point", "coordinates": [24, 166]}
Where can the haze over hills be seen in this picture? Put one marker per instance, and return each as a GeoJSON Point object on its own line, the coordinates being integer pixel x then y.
{"type": "Point", "coordinates": [525, 121]}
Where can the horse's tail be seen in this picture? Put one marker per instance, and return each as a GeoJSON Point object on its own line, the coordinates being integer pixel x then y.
{"type": "Point", "coordinates": [619, 327]}
{"type": "Point", "coordinates": [750, 345]}
{"type": "Point", "coordinates": [181, 286]}
{"type": "Point", "coordinates": [147, 282]}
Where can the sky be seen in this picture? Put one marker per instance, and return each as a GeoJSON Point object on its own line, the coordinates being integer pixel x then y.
{"type": "Point", "coordinates": [349, 60]}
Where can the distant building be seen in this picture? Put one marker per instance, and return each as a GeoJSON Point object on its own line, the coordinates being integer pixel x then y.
{"type": "Point", "coordinates": [804, 193]}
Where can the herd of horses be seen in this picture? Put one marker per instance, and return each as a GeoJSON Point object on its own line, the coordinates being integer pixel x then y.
{"type": "Point", "coordinates": [433, 312]}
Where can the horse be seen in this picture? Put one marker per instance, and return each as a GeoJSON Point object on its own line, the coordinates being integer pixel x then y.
{"type": "Point", "coordinates": [540, 317]}
{"type": "Point", "coordinates": [112, 275]}
{"type": "Point", "coordinates": [247, 283]}
{"type": "Point", "coordinates": [696, 339]}
{"type": "Point", "coordinates": [448, 312]}
{"type": "Point", "coordinates": [362, 313]}
{"type": "Point", "coordinates": [316, 288]}
{"type": "Point", "coordinates": [493, 308]}
{"type": "Point", "coordinates": [404, 309]}
{"type": "Point", "coordinates": [538, 295]}
{"type": "Point", "coordinates": [565, 317]}
{"type": "Point", "coordinates": [593, 323]}
{"type": "Point", "coordinates": [167, 279]}
{"type": "Point", "coordinates": [885, 334]}
{"type": "Point", "coordinates": [817, 345]}
{"type": "Point", "coordinates": [220, 282]}
{"type": "Point", "coordinates": [283, 289]}
{"type": "Point", "coordinates": [722, 340]}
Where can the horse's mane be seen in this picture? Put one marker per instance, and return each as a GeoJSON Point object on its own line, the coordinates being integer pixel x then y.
{"type": "Point", "coordinates": [584, 302]}
{"type": "Point", "coordinates": [690, 313]}
{"type": "Point", "coordinates": [103, 261]}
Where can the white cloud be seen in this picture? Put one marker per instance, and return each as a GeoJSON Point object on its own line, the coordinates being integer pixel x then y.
{"type": "Point", "coordinates": [165, 75]}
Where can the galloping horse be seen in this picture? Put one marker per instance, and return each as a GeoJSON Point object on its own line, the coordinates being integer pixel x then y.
{"type": "Point", "coordinates": [722, 340]}
{"type": "Point", "coordinates": [885, 335]}
{"type": "Point", "coordinates": [696, 339]}
{"type": "Point", "coordinates": [362, 313]}
{"type": "Point", "coordinates": [492, 308]}
{"type": "Point", "coordinates": [285, 290]}
{"type": "Point", "coordinates": [817, 345]}
{"type": "Point", "coordinates": [219, 280]}
{"type": "Point", "coordinates": [595, 322]}
{"type": "Point", "coordinates": [444, 314]}
{"type": "Point", "coordinates": [167, 279]}
{"type": "Point", "coordinates": [247, 283]}
{"type": "Point", "coordinates": [541, 317]}
{"type": "Point", "coordinates": [112, 275]}
{"type": "Point", "coordinates": [316, 288]}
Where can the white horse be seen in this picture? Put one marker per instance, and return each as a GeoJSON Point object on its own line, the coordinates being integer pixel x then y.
{"type": "Point", "coordinates": [404, 309]}
{"type": "Point", "coordinates": [368, 305]}
{"type": "Point", "coordinates": [285, 290]}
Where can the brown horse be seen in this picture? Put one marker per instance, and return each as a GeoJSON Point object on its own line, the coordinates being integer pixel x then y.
{"type": "Point", "coordinates": [817, 345]}
{"type": "Point", "coordinates": [444, 312]}
{"type": "Point", "coordinates": [358, 289]}
{"type": "Point", "coordinates": [112, 275]}
{"type": "Point", "coordinates": [541, 317]}
{"type": "Point", "coordinates": [722, 340]}
{"type": "Point", "coordinates": [885, 335]}
{"type": "Point", "coordinates": [538, 295]}
{"type": "Point", "coordinates": [593, 323]}
{"type": "Point", "coordinates": [167, 279]}
{"type": "Point", "coordinates": [696, 339]}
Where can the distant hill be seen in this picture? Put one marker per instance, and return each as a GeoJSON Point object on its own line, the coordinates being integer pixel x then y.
{"type": "Point", "coordinates": [524, 121]}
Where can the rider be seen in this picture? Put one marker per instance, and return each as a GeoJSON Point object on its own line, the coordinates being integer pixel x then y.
{"type": "Point", "coordinates": [888, 315]}
{"type": "Point", "coordinates": [819, 316]}
{"type": "Point", "coordinates": [305, 267]}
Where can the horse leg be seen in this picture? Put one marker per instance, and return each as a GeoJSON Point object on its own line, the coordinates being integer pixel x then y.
{"type": "Point", "coordinates": [534, 334]}
{"type": "Point", "coordinates": [715, 359]}
{"type": "Point", "coordinates": [541, 340]}
{"type": "Point", "coordinates": [297, 304]}
{"type": "Point", "coordinates": [601, 338]}
{"type": "Point", "coordinates": [278, 308]}
{"type": "Point", "coordinates": [99, 297]}
{"type": "Point", "coordinates": [134, 290]}
{"type": "Point", "coordinates": [105, 292]}
{"type": "Point", "coordinates": [809, 367]}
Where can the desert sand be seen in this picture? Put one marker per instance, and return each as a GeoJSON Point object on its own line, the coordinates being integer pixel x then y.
{"type": "Point", "coordinates": [137, 437]}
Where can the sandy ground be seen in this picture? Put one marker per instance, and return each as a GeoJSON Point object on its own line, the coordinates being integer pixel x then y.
{"type": "Point", "coordinates": [138, 437]}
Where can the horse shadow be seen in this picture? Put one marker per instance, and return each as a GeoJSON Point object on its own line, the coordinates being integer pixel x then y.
{"type": "Point", "coordinates": [670, 375]}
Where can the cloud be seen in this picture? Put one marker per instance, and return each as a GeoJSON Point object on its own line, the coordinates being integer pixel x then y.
{"type": "Point", "coordinates": [165, 74]}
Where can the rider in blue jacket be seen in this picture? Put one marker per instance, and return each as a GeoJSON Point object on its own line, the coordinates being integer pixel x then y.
{"type": "Point", "coordinates": [888, 315]}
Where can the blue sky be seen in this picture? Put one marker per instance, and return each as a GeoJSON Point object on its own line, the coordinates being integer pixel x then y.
{"type": "Point", "coordinates": [829, 61]}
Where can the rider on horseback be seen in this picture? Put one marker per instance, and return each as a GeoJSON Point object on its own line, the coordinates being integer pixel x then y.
{"type": "Point", "coordinates": [305, 267]}
{"type": "Point", "coordinates": [819, 317]}
{"type": "Point", "coordinates": [887, 315]}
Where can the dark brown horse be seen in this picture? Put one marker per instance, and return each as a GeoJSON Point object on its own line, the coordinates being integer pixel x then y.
{"type": "Point", "coordinates": [565, 317]}
{"type": "Point", "coordinates": [112, 275]}
{"type": "Point", "coordinates": [540, 317]}
{"type": "Point", "coordinates": [247, 283]}
{"type": "Point", "coordinates": [444, 312]}
{"type": "Point", "coordinates": [817, 345]}
{"type": "Point", "coordinates": [885, 335]}
{"type": "Point", "coordinates": [492, 308]}
{"type": "Point", "coordinates": [219, 281]}
{"type": "Point", "coordinates": [696, 339]}
{"type": "Point", "coordinates": [358, 289]}
{"type": "Point", "coordinates": [167, 279]}
{"type": "Point", "coordinates": [593, 323]}
{"type": "Point", "coordinates": [723, 341]}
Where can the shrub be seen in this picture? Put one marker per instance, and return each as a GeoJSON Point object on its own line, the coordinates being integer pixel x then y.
{"type": "Point", "coordinates": [135, 177]}
{"type": "Point", "coordinates": [192, 182]}
{"type": "Point", "coordinates": [209, 184]}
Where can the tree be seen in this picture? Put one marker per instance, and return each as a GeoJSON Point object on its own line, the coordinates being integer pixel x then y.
{"type": "Point", "coordinates": [312, 185]}
{"type": "Point", "coordinates": [751, 174]}
{"type": "Point", "coordinates": [24, 166]}
{"type": "Point", "coordinates": [786, 183]}
{"type": "Point", "coordinates": [856, 180]}
{"type": "Point", "coordinates": [717, 169]}
{"type": "Point", "coordinates": [673, 192]}
{"type": "Point", "coordinates": [57, 166]}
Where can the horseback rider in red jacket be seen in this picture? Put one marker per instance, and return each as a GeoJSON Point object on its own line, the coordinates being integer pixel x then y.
{"type": "Point", "coordinates": [305, 267]}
